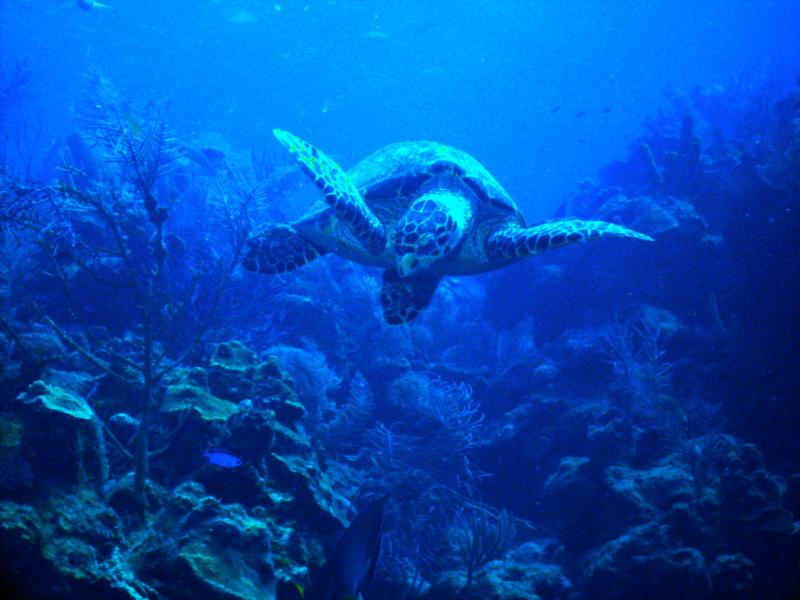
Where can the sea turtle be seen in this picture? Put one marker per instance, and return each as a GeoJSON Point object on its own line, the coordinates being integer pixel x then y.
{"type": "Point", "coordinates": [419, 210]}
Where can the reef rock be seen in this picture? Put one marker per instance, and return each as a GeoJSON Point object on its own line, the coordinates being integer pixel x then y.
{"type": "Point", "coordinates": [53, 400]}
{"type": "Point", "coordinates": [198, 547]}
{"type": "Point", "coordinates": [654, 215]}
{"type": "Point", "coordinates": [526, 573]}
{"type": "Point", "coordinates": [642, 560]}
{"type": "Point", "coordinates": [64, 441]}
{"type": "Point", "coordinates": [189, 391]}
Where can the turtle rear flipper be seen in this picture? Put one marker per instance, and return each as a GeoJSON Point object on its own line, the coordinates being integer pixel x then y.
{"type": "Point", "coordinates": [403, 298]}
{"type": "Point", "coordinates": [518, 242]}
{"type": "Point", "coordinates": [338, 190]}
{"type": "Point", "coordinates": [279, 249]}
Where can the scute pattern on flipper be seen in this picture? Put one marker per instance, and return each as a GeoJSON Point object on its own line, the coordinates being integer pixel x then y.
{"type": "Point", "coordinates": [519, 242]}
{"type": "Point", "coordinates": [403, 298]}
{"type": "Point", "coordinates": [280, 249]}
{"type": "Point", "coordinates": [338, 190]}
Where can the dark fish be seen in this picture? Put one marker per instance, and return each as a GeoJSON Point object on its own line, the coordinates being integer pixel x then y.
{"type": "Point", "coordinates": [554, 110]}
{"type": "Point", "coordinates": [222, 458]}
{"type": "Point", "coordinates": [351, 564]}
{"type": "Point", "coordinates": [607, 109]}
{"type": "Point", "coordinates": [580, 114]}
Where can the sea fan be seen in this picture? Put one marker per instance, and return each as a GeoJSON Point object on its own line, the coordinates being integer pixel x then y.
{"type": "Point", "coordinates": [313, 379]}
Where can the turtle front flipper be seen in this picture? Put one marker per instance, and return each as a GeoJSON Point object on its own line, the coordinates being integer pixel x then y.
{"type": "Point", "coordinates": [518, 242]}
{"type": "Point", "coordinates": [432, 228]}
{"type": "Point", "coordinates": [279, 249]}
{"type": "Point", "coordinates": [403, 298]}
{"type": "Point", "coordinates": [339, 192]}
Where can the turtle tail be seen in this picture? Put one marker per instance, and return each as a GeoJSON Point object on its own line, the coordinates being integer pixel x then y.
{"type": "Point", "coordinates": [403, 298]}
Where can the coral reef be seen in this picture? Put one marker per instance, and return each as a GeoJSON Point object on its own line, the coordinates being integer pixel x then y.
{"type": "Point", "coordinates": [592, 425]}
{"type": "Point", "coordinates": [73, 542]}
{"type": "Point", "coordinates": [193, 543]}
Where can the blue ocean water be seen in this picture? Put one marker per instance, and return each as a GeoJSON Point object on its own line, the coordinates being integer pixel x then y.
{"type": "Point", "coordinates": [201, 399]}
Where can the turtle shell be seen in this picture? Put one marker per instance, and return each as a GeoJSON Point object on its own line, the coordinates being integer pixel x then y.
{"type": "Point", "coordinates": [395, 173]}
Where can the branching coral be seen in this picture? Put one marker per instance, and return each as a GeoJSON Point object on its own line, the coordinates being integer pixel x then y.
{"type": "Point", "coordinates": [392, 450]}
{"type": "Point", "coordinates": [455, 410]}
{"type": "Point", "coordinates": [643, 376]}
{"type": "Point", "coordinates": [638, 358]}
{"type": "Point", "coordinates": [481, 536]}
{"type": "Point", "coordinates": [427, 454]}
{"type": "Point", "coordinates": [108, 226]}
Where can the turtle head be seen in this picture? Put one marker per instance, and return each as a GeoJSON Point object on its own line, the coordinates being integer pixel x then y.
{"type": "Point", "coordinates": [320, 227]}
{"type": "Point", "coordinates": [431, 229]}
{"type": "Point", "coordinates": [326, 230]}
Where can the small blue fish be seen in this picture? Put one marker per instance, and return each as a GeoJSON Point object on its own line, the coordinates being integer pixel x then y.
{"type": "Point", "coordinates": [222, 458]}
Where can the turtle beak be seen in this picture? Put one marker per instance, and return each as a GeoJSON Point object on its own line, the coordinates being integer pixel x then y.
{"type": "Point", "coordinates": [407, 264]}
{"type": "Point", "coordinates": [411, 263]}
